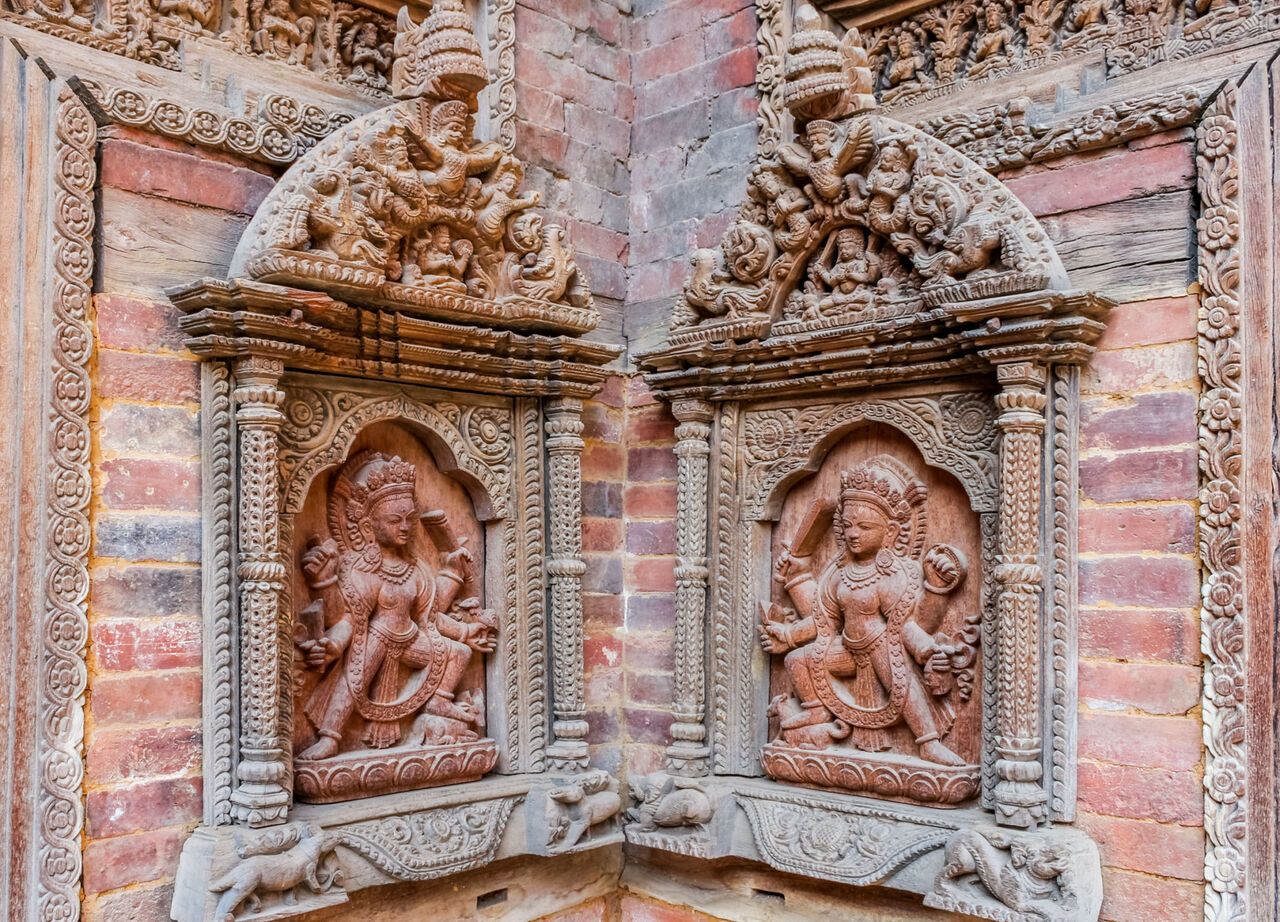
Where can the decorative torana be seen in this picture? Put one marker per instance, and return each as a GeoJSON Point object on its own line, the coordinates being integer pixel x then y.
{"type": "Point", "coordinates": [394, 353]}
{"type": "Point", "coordinates": [880, 356]}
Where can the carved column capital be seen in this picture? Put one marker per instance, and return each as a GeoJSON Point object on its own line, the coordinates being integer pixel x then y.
{"type": "Point", "coordinates": [1020, 797]}
{"type": "Point", "coordinates": [565, 569]}
{"type": "Point", "coordinates": [261, 798]}
{"type": "Point", "coordinates": [688, 753]}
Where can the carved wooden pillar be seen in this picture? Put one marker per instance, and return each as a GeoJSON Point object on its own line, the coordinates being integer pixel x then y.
{"type": "Point", "coordinates": [565, 568]}
{"type": "Point", "coordinates": [262, 798]}
{"type": "Point", "coordinates": [688, 753]}
{"type": "Point", "coordinates": [1020, 797]}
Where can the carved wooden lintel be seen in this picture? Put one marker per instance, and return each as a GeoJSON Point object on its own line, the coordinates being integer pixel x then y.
{"type": "Point", "coordinates": [881, 357]}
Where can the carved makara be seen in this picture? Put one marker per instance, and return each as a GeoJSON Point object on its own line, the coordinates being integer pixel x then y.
{"type": "Point", "coordinates": [391, 639]}
{"type": "Point", "coordinates": [405, 208]}
{"type": "Point", "coordinates": [858, 655]}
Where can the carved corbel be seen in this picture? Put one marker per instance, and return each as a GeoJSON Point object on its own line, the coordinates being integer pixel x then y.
{"type": "Point", "coordinates": [1020, 797]}
{"type": "Point", "coordinates": [688, 753]}
{"type": "Point", "coordinates": [261, 799]}
{"type": "Point", "coordinates": [565, 568]}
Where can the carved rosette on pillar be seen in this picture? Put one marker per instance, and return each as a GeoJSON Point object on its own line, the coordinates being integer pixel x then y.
{"type": "Point", "coordinates": [402, 335]}
{"type": "Point", "coordinates": [868, 355]}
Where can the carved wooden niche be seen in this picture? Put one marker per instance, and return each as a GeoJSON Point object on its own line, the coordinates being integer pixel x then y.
{"type": "Point", "coordinates": [392, 396]}
{"type": "Point", "coordinates": [874, 378]}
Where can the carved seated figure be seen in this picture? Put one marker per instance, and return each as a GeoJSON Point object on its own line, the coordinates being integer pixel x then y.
{"type": "Point", "coordinates": [387, 636]}
{"type": "Point", "coordinates": [279, 32]}
{"type": "Point", "coordinates": [368, 57]}
{"type": "Point", "coordinates": [991, 47]}
{"type": "Point", "coordinates": [856, 657]}
{"type": "Point", "coordinates": [437, 259]}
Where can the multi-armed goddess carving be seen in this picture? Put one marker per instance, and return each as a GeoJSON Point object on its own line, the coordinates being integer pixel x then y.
{"type": "Point", "coordinates": [404, 207]}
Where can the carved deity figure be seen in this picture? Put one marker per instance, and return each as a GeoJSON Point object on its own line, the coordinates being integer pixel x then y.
{"type": "Point", "coordinates": [366, 54]}
{"type": "Point", "coordinates": [438, 259]}
{"type": "Point", "coordinates": [500, 198]}
{"type": "Point", "coordinates": [828, 156]}
{"type": "Point", "coordinates": [279, 32]}
{"type": "Point", "coordinates": [1089, 16]}
{"type": "Point", "coordinates": [77, 14]}
{"type": "Point", "coordinates": [856, 656]}
{"type": "Point", "coordinates": [451, 160]}
{"type": "Point", "coordinates": [854, 271]}
{"type": "Point", "coordinates": [991, 46]}
{"type": "Point", "coordinates": [189, 14]}
{"type": "Point", "coordinates": [382, 628]}
{"type": "Point", "coordinates": [909, 60]}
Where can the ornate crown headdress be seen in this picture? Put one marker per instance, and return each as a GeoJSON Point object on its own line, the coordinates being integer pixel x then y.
{"type": "Point", "coordinates": [440, 57]}
{"type": "Point", "coordinates": [888, 485]}
{"type": "Point", "coordinates": [825, 77]}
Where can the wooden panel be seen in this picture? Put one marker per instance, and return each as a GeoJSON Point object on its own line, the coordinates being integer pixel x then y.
{"type": "Point", "coordinates": [1131, 250]}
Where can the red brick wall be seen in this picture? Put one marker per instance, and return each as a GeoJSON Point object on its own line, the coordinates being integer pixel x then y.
{"type": "Point", "coordinates": [143, 784]}
{"type": "Point", "coordinates": [638, 132]}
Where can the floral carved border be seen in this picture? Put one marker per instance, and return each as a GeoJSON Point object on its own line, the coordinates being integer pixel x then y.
{"type": "Point", "coordinates": [1221, 455]}
{"type": "Point", "coordinates": [63, 674]}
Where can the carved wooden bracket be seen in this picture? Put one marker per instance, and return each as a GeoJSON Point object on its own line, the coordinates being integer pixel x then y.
{"type": "Point", "coordinates": [878, 568]}
{"type": "Point", "coordinates": [392, 408]}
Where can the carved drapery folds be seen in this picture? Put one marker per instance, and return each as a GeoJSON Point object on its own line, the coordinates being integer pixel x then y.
{"type": "Point", "coordinates": [881, 357]}
{"type": "Point", "coordinates": [399, 340]}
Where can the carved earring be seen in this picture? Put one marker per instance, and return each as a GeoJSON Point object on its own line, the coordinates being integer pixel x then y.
{"type": "Point", "coordinates": [884, 559]}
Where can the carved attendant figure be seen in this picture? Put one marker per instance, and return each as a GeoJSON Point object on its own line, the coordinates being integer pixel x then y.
{"type": "Point", "coordinates": [389, 643]}
{"type": "Point", "coordinates": [445, 145]}
{"type": "Point", "coordinates": [857, 653]}
{"type": "Point", "coordinates": [368, 57]}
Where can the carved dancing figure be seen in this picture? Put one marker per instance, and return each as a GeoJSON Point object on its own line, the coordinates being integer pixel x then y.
{"type": "Point", "coordinates": [389, 639]}
{"type": "Point", "coordinates": [991, 47]}
{"type": "Point", "coordinates": [909, 61]}
{"type": "Point", "coordinates": [367, 56]}
{"type": "Point", "coordinates": [856, 653]}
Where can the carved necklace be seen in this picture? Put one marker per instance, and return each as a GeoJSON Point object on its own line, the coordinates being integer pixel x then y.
{"type": "Point", "coordinates": [395, 574]}
{"type": "Point", "coordinates": [855, 577]}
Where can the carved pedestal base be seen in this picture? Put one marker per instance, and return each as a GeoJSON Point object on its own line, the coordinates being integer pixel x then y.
{"type": "Point", "coordinates": [894, 777]}
{"type": "Point", "coordinates": [364, 774]}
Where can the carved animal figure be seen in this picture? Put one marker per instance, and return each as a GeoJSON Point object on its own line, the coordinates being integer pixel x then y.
{"type": "Point", "coordinates": [814, 736]}
{"type": "Point", "coordinates": [575, 808]}
{"type": "Point", "coordinates": [1032, 879]}
{"type": "Point", "coordinates": [277, 872]}
{"type": "Point", "coordinates": [669, 802]}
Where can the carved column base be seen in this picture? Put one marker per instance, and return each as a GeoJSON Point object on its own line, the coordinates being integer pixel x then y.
{"type": "Point", "coordinates": [1050, 875]}
{"type": "Point", "coordinates": [568, 752]}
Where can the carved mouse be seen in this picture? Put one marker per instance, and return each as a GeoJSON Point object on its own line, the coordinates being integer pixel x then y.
{"type": "Point", "coordinates": [815, 736]}
{"type": "Point", "coordinates": [279, 872]}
